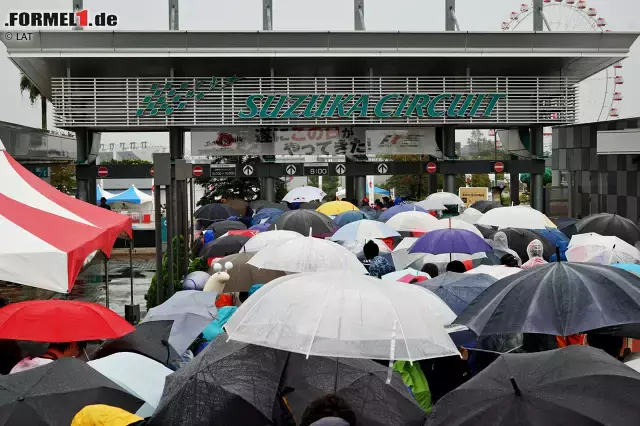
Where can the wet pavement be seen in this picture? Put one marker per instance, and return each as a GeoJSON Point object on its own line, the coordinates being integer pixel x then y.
{"type": "Point", "coordinates": [90, 285]}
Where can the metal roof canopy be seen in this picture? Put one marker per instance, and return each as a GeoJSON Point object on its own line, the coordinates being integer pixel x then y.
{"type": "Point", "coordinates": [350, 53]}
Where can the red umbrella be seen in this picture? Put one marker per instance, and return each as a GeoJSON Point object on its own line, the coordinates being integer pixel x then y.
{"type": "Point", "coordinates": [60, 321]}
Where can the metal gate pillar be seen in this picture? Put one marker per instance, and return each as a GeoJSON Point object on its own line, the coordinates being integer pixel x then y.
{"type": "Point", "coordinates": [449, 150]}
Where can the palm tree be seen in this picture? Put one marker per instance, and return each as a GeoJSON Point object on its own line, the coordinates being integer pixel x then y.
{"type": "Point", "coordinates": [27, 85]}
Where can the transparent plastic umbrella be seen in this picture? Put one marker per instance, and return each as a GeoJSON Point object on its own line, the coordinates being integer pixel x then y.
{"type": "Point", "coordinates": [447, 198]}
{"type": "Point", "coordinates": [497, 271]}
{"type": "Point", "coordinates": [345, 315]}
{"type": "Point", "coordinates": [605, 250]}
{"type": "Point", "coordinates": [431, 205]}
{"type": "Point", "coordinates": [413, 221]}
{"type": "Point", "coordinates": [516, 217]}
{"type": "Point", "coordinates": [471, 215]}
{"type": "Point", "coordinates": [364, 230]}
{"type": "Point", "coordinates": [307, 254]}
{"type": "Point", "coordinates": [304, 194]}
{"type": "Point", "coordinates": [263, 239]}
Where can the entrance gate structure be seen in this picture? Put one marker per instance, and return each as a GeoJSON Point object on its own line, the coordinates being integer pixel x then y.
{"type": "Point", "coordinates": [346, 94]}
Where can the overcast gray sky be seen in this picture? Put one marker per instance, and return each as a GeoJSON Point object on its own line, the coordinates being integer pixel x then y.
{"type": "Point", "coordinates": [416, 15]}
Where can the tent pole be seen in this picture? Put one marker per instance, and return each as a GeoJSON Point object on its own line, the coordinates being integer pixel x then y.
{"type": "Point", "coordinates": [106, 280]}
{"type": "Point", "coordinates": [131, 266]}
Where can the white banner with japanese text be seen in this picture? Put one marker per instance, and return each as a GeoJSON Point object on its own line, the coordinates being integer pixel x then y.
{"type": "Point", "coordinates": [313, 141]}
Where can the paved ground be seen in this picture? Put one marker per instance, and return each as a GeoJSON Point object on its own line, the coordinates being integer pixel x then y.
{"type": "Point", "coordinates": [90, 285]}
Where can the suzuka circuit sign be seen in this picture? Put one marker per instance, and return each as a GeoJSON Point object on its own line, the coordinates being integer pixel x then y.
{"type": "Point", "coordinates": [168, 98]}
{"type": "Point", "coordinates": [374, 101]}
{"type": "Point", "coordinates": [359, 105]}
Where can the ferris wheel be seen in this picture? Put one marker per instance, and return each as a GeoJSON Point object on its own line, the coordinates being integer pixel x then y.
{"type": "Point", "coordinates": [599, 94]}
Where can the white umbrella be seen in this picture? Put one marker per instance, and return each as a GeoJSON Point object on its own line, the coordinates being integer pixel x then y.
{"type": "Point", "coordinates": [190, 310]}
{"type": "Point", "coordinates": [263, 239]}
{"type": "Point", "coordinates": [516, 217]}
{"type": "Point", "coordinates": [447, 198]}
{"type": "Point", "coordinates": [413, 221]}
{"type": "Point", "coordinates": [459, 224]}
{"type": "Point", "coordinates": [357, 247]}
{"type": "Point", "coordinates": [303, 194]}
{"type": "Point", "coordinates": [364, 230]}
{"type": "Point", "coordinates": [431, 204]}
{"type": "Point", "coordinates": [307, 254]}
{"type": "Point", "coordinates": [497, 271]}
{"type": "Point", "coordinates": [137, 374]}
{"type": "Point", "coordinates": [340, 314]}
{"type": "Point", "coordinates": [471, 215]}
{"type": "Point", "coordinates": [605, 250]}
{"type": "Point", "coordinates": [403, 259]}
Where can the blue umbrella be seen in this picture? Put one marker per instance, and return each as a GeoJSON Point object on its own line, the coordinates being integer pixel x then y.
{"type": "Point", "coordinates": [267, 213]}
{"type": "Point", "coordinates": [458, 290]}
{"type": "Point", "coordinates": [399, 209]}
{"type": "Point", "coordinates": [450, 240]}
{"type": "Point", "coordinates": [350, 216]}
{"type": "Point", "coordinates": [631, 267]}
{"type": "Point", "coordinates": [557, 238]}
{"type": "Point", "coordinates": [263, 227]}
{"type": "Point", "coordinates": [554, 236]}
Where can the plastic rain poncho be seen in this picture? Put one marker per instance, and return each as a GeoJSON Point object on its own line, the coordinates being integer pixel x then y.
{"type": "Point", "coordinates": [500, 245]}
{"type": "Point", "coordinates": [535, 250]}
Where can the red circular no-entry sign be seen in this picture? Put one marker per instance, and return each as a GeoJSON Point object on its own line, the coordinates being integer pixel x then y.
{"type": "Point", "coordinates": [103, 172]}
{"type": "Point", "coordinates": [498, 167]}
{"type": "Point", "coordinates": [153, 172]}
{"type": "Point", "coordinates": [431, 167]}
{"type": "Point", "coordinates": [197, 171]}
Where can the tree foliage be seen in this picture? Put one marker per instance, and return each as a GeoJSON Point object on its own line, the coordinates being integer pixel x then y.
{"type": "Point", "coordinates": [63, 178]}
{"type": "Point", "coordinates": [330, 185]}
{"type": "Point", "coordinates": [243, 188]}
{"type": "Point", "coordinates": [546, 178]}
{"type": "Point", "coordinates": [484, 148]}
{"type": "Point", "coordinates": [27, 85]}
{"type": "Point", "coordinates": [480, 181]}
{"type": "Point", "coordinates": [178, 258]}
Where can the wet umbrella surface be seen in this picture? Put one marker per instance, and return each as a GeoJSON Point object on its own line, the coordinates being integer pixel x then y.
{"type": "Point", "coordinates": [577, 385]}
{"type": "Point", "coordinates": [559, 299]}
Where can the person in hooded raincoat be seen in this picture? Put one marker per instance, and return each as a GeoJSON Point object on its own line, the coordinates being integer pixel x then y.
{"type": "Point", "coordinates": [500, 245]}
{"type": "Point", "coordinates": [535, 250]}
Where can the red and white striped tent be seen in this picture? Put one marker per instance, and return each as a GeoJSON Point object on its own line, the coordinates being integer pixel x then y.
{"type": "Point", "coordinates": [45, 235]}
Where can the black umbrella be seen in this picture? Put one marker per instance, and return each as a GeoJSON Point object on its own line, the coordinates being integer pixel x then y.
{"type": "Point", "coordinates": [577, 385]}
{"type": "Point", "coordinates": [360, 382]}
{"type": "Point", "coordinates": [53, 394]}
{"type": "Point", "coordinates": [566, 225]}
{"type": "Point", "coordinates": [458, 290]}
{"type": "Point", "coordinates": [484, 206]}
{"type": "Point", "coordinates": [302, 221]}
{"type": "Point", "coordinates": [486, 231]}
{"type": "Point", "coordinates": [371, 211]}
{"type": "Point", "coordinates": [560, 298]}
{"type": "Point", "coordinates": [214, 211]}
{"type": "Point", "coordinates": [222, 227]}
{"type": "Point", "coordinates": [231, 244]}
{"type": "Point", "coordinates": [263, 204]}
{"type": "Point", "coordinates": [228, 383]}
{"type": "Point", "coordinates": [610, 225]}
{"type": "Point", "coordinates": [519, 239]}
{"type": "Point", "coordinates": [310, 205]}
{"type": "Point", "coordinates": [149, 339]}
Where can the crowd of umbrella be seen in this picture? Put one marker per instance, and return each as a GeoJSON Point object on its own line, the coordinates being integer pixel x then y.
{"type": "Point", "coordinates": [320, 320]}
